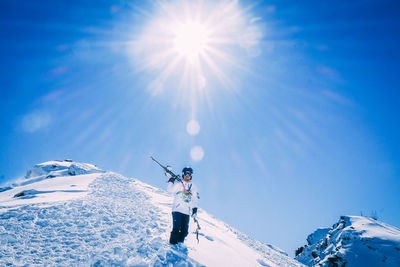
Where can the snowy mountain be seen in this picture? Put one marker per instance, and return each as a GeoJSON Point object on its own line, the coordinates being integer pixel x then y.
{"type": "Point", "coordinates": [352, 241]}
{"type": "Point", "coordinates": [68, 213]}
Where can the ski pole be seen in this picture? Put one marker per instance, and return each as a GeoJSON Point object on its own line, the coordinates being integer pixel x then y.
{"type": "Point", "coordinates": [197, 230]}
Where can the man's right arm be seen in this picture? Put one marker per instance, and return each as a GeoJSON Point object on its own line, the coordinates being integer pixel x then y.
{"type": "Point", "coordinates": [171, 187]}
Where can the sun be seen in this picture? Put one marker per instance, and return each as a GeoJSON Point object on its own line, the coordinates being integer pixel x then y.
{"type": "Point", "coordinates": [191, 40]}
{"type": "Point", "coordinates": [192, 45]}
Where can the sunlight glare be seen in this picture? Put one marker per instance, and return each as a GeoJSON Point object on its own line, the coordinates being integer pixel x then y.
{"type": "Point", "coordinates": [195, 46]}
{"type": "Point", "coordinates": [190, 40]}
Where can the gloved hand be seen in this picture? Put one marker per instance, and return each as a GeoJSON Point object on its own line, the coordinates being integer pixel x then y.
{"type": "Point", "coordinates": [168, 174]}
{"type": "Point", "coordinates": [171, 179]}
{"type": "Point", "coordinates": [194, 213]}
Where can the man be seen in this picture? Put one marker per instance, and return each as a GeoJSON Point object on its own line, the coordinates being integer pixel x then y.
{"type": "Point", "coordinates": [185, 203]}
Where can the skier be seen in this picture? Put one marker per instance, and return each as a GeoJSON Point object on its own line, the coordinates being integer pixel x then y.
{"type": "Point", "coordinates": [185, 204]}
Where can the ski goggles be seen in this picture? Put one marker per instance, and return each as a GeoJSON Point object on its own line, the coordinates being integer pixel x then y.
{"type": "Point", "coordinates": [187, 173]}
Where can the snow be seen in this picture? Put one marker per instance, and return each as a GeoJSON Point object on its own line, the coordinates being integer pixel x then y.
{"type": "Point", "coordinates": [353, 241]}
{"type": "Point", "coordinates": [98, 218]}
{"type": "Point", "coordinates": [219, 238]}
{"type": "Point", "coordinates": [47, 191]}
{"type": "Point", "coordinates": [39, 185]}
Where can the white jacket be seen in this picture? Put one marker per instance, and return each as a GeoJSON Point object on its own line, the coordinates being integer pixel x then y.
{"type": "Point", "coordinates": [185, 196]}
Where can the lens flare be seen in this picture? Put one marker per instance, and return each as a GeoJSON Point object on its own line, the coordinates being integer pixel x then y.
{"type": "Point", "coordinates": [193, 127]}
{"type": "Point", "coordinates": [197, 153]}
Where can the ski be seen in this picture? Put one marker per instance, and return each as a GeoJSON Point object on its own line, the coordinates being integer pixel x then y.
{"type": "Point", "coordinates": [167, 170]}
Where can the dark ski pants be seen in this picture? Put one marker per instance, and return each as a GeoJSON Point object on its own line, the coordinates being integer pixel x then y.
{"type": "Point", "coordinates": [180, 227]}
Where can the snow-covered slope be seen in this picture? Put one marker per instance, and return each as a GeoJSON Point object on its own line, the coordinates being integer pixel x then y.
{"type": "Point", "coordinates": [39, 185]}
{"type": "Point", "coordinates": [353, 241]}
{"type": "Point", "coordinates": [67, 213]}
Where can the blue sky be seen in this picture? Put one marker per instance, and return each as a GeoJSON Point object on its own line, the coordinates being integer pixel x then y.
{"type": "Point", "coordinates": [303, 127]}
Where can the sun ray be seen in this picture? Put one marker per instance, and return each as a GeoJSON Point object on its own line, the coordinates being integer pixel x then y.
{"type": "Point", "coordinates": [197, 42]}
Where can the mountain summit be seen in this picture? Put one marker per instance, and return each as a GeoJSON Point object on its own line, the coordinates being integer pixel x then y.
{"type": "Point", "coordinates": [69, 213]}
{"type": "Point", "coordinates": [353, 241]}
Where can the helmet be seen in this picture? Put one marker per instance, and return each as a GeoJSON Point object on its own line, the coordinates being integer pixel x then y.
{"type": "Point", "coordinates": [187, 169]}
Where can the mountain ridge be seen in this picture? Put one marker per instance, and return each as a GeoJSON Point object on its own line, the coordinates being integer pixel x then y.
{"type": "Point", "coordinates": [352, 241]}
{"type": "Point", "coordinates": [56, 216]}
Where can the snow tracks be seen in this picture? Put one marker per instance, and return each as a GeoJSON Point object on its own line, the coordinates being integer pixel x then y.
{"type": "Point", "coordinates": [113, 225]}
